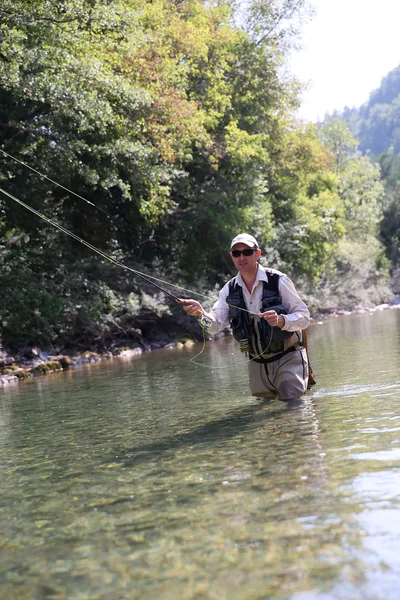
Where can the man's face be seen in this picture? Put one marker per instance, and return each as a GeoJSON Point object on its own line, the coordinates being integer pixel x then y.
{"type": "Point", "coordinates": [245, 263]}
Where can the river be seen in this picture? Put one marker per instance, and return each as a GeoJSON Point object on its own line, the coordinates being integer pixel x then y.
{"type": "Point", "coordinates": [155, 478]}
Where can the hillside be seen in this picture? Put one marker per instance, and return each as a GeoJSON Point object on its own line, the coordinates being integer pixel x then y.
{"type": "Point", "coordinates": [376, 124]}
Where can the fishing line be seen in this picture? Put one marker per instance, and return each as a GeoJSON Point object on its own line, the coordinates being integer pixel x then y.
{"type": "Point", "coordinates": [149, 278]}
{"type": "Point", "coordinates": [240, 362]}
{"type": "Point", "coordinates": [55, 183]}
{"type": "Point", "coordinates": [48, 220]}
{"type": "Point", "coordinates": [116, 221]}
{"type": "Point", "coordinates": [100, 252]}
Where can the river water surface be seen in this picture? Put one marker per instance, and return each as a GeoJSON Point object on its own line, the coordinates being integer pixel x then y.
{"type": "Point", "coordinates": [154, 478]}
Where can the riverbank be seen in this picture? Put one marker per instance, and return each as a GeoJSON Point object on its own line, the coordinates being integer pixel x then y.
{"type": "Point", "coordinates": [31, 362]}
{"type": "Point", "coordinates": [34, 361]}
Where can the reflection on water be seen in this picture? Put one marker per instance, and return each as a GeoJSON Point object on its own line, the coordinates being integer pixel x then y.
{"type": "Point", "coordinates": [155, 478]}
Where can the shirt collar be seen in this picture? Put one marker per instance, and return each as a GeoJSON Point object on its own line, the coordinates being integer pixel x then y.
{"type": "Point", "coordinates": [261, 276]}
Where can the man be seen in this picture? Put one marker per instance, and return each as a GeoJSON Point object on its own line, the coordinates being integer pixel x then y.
{"type": "Point", "coordinates": [267, 317]}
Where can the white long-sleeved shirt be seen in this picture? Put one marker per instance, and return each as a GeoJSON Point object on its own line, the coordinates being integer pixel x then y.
{"type": "Point", "coordinates": [298, 316]}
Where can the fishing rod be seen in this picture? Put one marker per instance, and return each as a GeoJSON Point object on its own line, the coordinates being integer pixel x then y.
{"type": "Point", "coordinates": [93, 247]}
{"type": "Point", "coordinates": [147, 278]}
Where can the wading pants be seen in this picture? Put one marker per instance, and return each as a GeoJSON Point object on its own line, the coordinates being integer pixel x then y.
{"type": "Point", "coordinates": [285, 378]}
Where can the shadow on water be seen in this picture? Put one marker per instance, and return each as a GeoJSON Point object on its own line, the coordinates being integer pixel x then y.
{"type": "Point", "coordinates": [229, 426]}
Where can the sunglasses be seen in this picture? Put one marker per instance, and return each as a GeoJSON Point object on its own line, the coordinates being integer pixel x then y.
{"type": "Point", "coordinates": [245, 252]}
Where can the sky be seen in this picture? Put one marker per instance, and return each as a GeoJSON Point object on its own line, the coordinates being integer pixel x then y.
{"type": "Point", "coordinates": [348, 47]}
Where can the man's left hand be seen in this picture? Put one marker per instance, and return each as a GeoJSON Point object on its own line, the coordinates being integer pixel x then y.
{"type": "Point", "coordinates": [273, 318]}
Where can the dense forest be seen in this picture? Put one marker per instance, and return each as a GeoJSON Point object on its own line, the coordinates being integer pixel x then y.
{"type": "Point", "coordinates": [156, 131]}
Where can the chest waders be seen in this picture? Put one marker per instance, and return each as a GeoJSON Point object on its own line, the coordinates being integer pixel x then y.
{"type": "Point", "coordinates": [252, 335]}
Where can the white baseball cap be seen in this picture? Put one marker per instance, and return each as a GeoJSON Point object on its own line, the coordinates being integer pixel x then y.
{"type": "Point", "coordinates": [245, 238]}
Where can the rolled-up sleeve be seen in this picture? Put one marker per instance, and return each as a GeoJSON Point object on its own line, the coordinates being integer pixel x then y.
{"type": "Point", "coordinates": [219, 314]}
{"type": "Point", "coordinates": [298, 316]}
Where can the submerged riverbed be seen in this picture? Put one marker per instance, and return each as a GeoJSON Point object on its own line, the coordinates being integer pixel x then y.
{"type": "Point", "coordinates": [157, 478]}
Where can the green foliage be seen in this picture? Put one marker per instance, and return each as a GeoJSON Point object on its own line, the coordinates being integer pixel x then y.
{"type": "Point", "coordinates": [357, 278]}
{"type": "Point", "coordinates": [362, 193]}
{"type": "Point", "coordinates": [377, 126]}
{"type": "Point", "coordinates": [390, 226]}
{"type": "Point", "coordinates": [390, 169]}
{"type": "Point", "coordinates": [306, 205]}
{"type": "Point", "coordinates": [357, 272]}
{"type": "Point", "coordinates": [338, 139]}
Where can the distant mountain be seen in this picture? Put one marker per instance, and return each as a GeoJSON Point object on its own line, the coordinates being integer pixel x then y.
{"type": "Point", "coordinates": [376, 124]}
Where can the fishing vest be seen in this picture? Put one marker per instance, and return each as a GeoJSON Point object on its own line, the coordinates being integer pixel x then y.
{"type": "Point", "coordinates": [265, 338]}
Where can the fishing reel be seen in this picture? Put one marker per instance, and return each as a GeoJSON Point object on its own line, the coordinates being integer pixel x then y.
{"type": "Point", "coordinates": [204, 322]}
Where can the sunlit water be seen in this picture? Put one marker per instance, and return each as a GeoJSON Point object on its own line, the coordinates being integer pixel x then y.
{"type": "Point", "coordinates": [154, 478]}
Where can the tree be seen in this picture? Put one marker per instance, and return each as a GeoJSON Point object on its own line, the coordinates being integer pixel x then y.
{"type": "Point", "coordinates": [153, 112]}
{"type": "Point", "coordinates": [358, 272]}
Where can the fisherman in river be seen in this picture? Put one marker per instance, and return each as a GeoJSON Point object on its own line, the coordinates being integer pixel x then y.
{"type": "Point", "coordinates": [268, 319]}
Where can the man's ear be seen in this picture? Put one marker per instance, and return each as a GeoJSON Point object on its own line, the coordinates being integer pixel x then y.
{"type": "Point", "coordinates": [258, 253]}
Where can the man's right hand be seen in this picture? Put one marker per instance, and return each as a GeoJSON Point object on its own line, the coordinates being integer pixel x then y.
{"type": "Point", "coordinates": [192, 307]}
